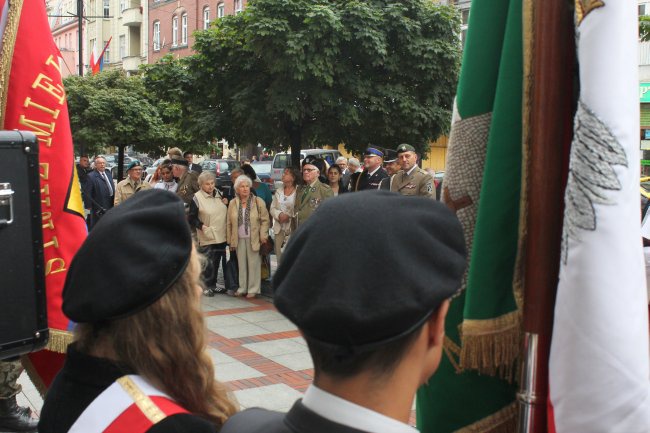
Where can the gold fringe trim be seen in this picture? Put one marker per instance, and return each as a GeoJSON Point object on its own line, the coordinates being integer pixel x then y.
{"type": "Point", "coordinates": [33, 375]}
{"type": "Point", "coordinates": [503, 421]}
{"type": "Point", "coordinates": [59, 340]}
{"type": "Point", "coordinates": [492, 346]}
{"type": "Point", "coordinates": [452, 352]}
{"type": "Point", "coordinates": [7, 53]}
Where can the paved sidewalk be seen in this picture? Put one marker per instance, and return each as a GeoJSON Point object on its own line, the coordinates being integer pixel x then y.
{"type": "Point", "coordinates": [257, 353]}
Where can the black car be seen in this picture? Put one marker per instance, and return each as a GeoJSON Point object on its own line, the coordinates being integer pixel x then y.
{"type": "Point", "coordinates": [263, 171]}
{"type": "Point", "coordinates": [221, 169]}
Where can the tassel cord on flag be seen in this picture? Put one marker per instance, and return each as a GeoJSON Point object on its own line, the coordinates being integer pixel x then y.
{"type": "Point", "coordinates": [6, 54]}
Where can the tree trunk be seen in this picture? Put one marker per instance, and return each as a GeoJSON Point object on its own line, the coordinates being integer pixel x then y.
{"type": "Point", "coordinates": [296, 136]}
{"type": "Point", "coordinates": [120, 162]}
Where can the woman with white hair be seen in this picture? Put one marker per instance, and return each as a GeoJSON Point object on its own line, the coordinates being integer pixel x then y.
{"type": "Point", "coordinates": [247, 230]}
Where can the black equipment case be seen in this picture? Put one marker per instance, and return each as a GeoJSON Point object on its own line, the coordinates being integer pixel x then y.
{"type": "Point", "coordinates": [23, 308]}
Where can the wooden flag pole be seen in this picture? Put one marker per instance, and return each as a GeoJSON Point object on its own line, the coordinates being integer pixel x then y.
{"type": "Point", "coordinates": [549, 70]}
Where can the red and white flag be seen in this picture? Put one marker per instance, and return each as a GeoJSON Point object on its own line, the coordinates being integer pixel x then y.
{"type": "Point", "coordinates": [599, 366]}
{"type": "Point", "coordinates": [33, 99]}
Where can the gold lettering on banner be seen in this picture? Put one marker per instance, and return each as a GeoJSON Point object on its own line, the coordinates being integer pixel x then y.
{"type": "Point", "coordinates": [53, 243]}
{"type": "Point", "coordinates": [52, 62]}
{"type": "Point", "coordinates": [30, 103]}
{"type": "Point", "coordinates": [49, 224]}
{"type": "Point", "coordinates": [54, 266]}
{"type": "Point", "coordinates": [46, 189]}
{"type": "Point", "coordinates": [46, 201]}
{"type": "Point", "coordinates": [33, 125]}
{"type": "Point", "coordinates": [46, 84]}
{"type": "Point", "coordinates": [45, 173]}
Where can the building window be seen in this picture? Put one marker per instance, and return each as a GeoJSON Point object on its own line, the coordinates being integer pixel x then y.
{"type": "Point", "coordinates": [122, 5]}
{"type": "Point", "coordinates": [221, 10]}
{"type": "Point", "coordinates": [107, 8]}
{"type": "Point", "coordinates": [239, 6]}
{"type": "Point", "coordinates": [206, 18]}
{"type": "Point", "coordinates": [464, 14]}
{"type": "Point", "coordinates": [122, 47]}
{"type": "Point", "coordinates": [107, 53]}
{"type": "Point", "coordinates": [91, 48]}
{"type": "Point", "coordinates": [156, 36]}
{"type": "Point", "coordinates": [174, 31]}
{"type": "Point", "coordinates": [184, 29]}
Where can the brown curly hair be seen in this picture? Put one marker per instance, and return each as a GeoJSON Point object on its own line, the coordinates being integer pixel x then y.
{"type": "Point", "coordinates": [165, 343]}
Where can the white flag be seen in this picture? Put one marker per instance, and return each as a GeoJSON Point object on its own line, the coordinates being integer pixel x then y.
{"type": "Point", "coordinates": [599, 367]}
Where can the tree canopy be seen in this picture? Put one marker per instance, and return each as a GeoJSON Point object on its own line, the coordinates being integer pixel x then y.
{"type": "Point", "coordinates": [111, 109]}
{"type": "Point", "coordinates": [317, 72]}
{"type": "Point", "coordinates": [644, 28]}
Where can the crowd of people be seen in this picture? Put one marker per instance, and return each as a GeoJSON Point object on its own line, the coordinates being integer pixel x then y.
{"type": "Point", "coordinates": [247, 221]}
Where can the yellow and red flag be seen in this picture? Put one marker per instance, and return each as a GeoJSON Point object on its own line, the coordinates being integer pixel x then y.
{"type": "Point", "coordinates": [32, 98]}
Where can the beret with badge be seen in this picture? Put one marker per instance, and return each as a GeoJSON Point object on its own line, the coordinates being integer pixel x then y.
{"type": "Point", "coordinates": [132, 164]}
{"type": "Point", "coordinates": [369, 293]}
{"type": "Point", "coordinates": [316, 162]}
{"type": "Point", "coordinates": [405, 148]}
{"type": "Point", "coordinates": [134, 254]}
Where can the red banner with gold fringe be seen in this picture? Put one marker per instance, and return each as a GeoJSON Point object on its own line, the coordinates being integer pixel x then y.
{"type": "Point", "coordinates": [33, 99]}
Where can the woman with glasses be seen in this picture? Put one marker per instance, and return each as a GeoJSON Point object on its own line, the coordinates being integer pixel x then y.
{"type": "Point", "coordinates": [312, 193]}
{"type": "Point", "coordinates": [132, 184]}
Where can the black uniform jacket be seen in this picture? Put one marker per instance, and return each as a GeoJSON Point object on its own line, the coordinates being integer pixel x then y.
{"type": "Point", "coordinates": [81, 380]}
{"type": "Point", "coordinates": [361, 181]}
{"type": "Point", "coordinates": [298, 420]}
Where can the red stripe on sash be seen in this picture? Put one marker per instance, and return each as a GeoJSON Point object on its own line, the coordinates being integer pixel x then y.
{"type": "Point", "coordinates": [132, 420]}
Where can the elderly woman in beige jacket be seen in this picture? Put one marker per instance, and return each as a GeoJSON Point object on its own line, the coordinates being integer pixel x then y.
{"type": "Point", "coordinates": [247, 229]}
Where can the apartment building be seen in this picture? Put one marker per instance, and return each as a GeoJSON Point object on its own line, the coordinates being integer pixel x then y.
{"type": "Point", "coordinates": [173, 22]}
{"type": "Point", "coordinates": [123, 23]}
{"type": "Point", "coordinates": [64, 25]}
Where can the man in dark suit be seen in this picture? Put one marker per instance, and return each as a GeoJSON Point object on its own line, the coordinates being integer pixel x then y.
{"type": "Point", "coordinates": [372, 174]}
{"type": "Point", "coordinates": [377, 336]}
{"type": "Point", "coordinates": [189, 157]}
{"type": "Point", "coordinates": [99, 192]}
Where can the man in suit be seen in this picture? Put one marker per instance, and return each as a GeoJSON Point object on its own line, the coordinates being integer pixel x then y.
{"type": "Point", "coordinates": [189, 157]}
{"type": "Point", "coordinates": [411, 180]}
{"type": "Point", "coordinates": [372, 174]}
{"type": "Point", "coordinates": [313, 192]}
{"type": "Point", "coordinates": [377, 336]}
{"type": "Point", "coordinates": [99, 192]}
{"type": "Point", "coordinates": [342, 162]}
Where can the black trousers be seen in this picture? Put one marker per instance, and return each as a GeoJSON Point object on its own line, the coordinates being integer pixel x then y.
{"type": "Point", "coordinates": [215, 254]}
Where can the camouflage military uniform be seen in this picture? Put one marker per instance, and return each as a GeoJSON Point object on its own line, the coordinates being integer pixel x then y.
{"type": "Point", "coordinates": [9, 373]}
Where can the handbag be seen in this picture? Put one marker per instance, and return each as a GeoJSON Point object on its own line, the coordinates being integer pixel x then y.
{"type": "Point", "coordinates": [231, 275]}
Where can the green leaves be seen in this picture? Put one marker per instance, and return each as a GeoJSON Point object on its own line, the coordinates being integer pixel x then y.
{"type": "Point", "coordinates": [318, 71]}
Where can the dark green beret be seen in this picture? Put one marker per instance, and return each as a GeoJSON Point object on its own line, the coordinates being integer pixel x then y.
{"type": "Point", "coordinates": [134, 163]}
{"type": "Point", "coordinates": [405, 148]}
{"type": "Point", "coordinates": [130, 259]}
{"type": "Point", "coordinates": [408, 256]}
{"type": "Point", "coordinates": [319, 163]}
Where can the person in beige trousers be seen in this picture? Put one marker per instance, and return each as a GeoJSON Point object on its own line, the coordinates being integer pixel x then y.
{"type": "Point", "coordinates": [247, 229]}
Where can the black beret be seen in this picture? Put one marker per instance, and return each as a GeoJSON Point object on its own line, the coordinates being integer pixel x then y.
{"type": "Point", "coordinates": [405, 148]}
{"type": "Point", "coordinates": [130, 258]}
{"type": "Point", "coordinates": [390, 155]}
{"type": "Point", "coordinates": [316, 162]}
{"type": "Point", "coordinates": [180, 161]}
{"type": "Point", "coordinates": [408, 256]}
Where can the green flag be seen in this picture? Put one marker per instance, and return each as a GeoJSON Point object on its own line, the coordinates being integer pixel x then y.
{"type": "Point", "coordinates": [468, 393]}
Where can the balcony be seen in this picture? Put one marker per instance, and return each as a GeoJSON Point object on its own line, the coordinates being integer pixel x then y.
{"type": "Point", "coordinates": [132, 17]}
{"type": "Point", "coordinates": [131, 63]}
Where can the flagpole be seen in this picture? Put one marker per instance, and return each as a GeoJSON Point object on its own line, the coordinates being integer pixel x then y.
{"type": "Point", "coordinates": [548, 117]}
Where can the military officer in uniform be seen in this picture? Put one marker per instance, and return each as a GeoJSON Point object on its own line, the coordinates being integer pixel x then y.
{"type": "Point", "coordinates": [411, 180]}
{"type": "Point", "coordinates": [374, 337]}
{"type": "Point", "coordinates": [13, 418]}
{"type": "Point", "coordinates": [188, 183]}
{"type": "Point", "coordinates": [373, 172]}
{"type": "Point", "coordinates": [313, 192]}
{"type": "Point", "coordinates": [392, 166]}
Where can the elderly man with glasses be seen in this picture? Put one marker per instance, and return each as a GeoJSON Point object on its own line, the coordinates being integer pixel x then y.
{"type": "Point", "coordinates": [132, 184]}
{"type": "Point", "coordinates": [313, 192]}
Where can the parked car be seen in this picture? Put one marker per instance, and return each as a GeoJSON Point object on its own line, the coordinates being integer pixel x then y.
{"type": "Point", "coordinates": [221, 169]}
{"type": "Point", "coordinates": [263, 170]}
{"type": "Point", "coordinates": [283, 160]}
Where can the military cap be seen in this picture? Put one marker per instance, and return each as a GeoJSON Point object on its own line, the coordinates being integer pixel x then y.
{"type": "Point", "coordinates": [405, 148]}
{"type": "Point", "coordinates": [179, 161]}
{"type": "Point", "coordinates": [391, 155]}
{"type": "Point", "coordinates": [370, 295]}
{"type": "Point", "coordinates": [316, 162]}
{"type": "Point", "coordinates": [373, 151]}
{"type": "Point", "coordinates": [134, 163]}
{"type": "Point", "coordinates": [134, 254]}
